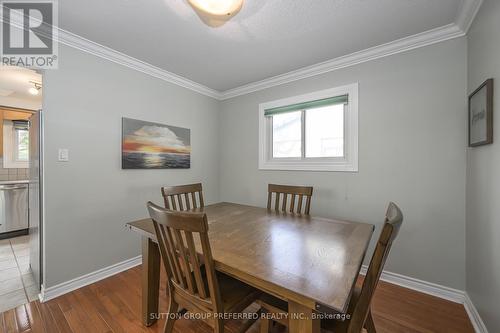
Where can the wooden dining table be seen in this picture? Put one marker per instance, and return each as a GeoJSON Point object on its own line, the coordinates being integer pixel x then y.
{"type": "Point", "coordinates": [310, 262]}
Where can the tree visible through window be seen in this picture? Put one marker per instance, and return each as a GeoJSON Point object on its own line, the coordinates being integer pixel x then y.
{"type": "Point", "coordinates": [21, 145]}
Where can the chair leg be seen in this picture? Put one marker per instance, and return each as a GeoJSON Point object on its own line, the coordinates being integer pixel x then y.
{"type": "Point", "coordinates": [249, 323]}
{"type": "Point", "coordinates": [265, 324]}
{"type": "Point", "coordinates": [173, 307]}
{"type": "Point", "coordinates": [369, 324]}
{"type": "Point", "coordinates": [219, 326]}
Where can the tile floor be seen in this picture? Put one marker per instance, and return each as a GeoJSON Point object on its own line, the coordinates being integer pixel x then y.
{"type": "Point", "coordinates": [17, 285]}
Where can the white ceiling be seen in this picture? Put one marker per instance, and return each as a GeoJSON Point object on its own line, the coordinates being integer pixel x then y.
{"type": "Point", "coordinates": [266, 38]}
{"type": "Point", "coordinates": [15, 82]}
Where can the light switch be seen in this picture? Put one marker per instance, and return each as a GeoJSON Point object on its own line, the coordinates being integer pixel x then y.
{"type": "Point", "coordinates": [63, 155]}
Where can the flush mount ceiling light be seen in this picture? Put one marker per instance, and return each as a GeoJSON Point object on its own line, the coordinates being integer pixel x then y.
{"type": "Point", "coordinates": [35, 90]}
{"type": "Point", "coordinates": [216, 12]}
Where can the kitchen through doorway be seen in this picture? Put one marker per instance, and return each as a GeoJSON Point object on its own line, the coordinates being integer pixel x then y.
{"type": "Point", "coordinates": [20, 180]}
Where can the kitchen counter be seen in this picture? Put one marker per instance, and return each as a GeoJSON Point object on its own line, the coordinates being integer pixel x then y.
{"type": "Point", "coordinates": [11, 182]}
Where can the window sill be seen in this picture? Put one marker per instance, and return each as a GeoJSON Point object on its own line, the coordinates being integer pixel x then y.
{"type": "Point", "coordinates": [308, 166]}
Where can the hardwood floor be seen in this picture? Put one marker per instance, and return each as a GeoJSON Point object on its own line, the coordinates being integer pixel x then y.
{"type": "Point", "coordinates": [113, 305]}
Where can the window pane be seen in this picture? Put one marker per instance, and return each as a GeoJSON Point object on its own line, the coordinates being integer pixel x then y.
{"type": "Point", "coordinates": [287, 134]}
{"type": "Point", "coordinates": [325, 131]}
{"type": "Point", "coordinates": [22, 145]}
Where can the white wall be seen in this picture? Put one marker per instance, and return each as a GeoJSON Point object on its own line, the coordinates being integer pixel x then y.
{"type": "Point", "coordinates": [483, 175]}
{"type": "Point", "coordinates": [90, 198]}
{"type": "Point", "coordinates": [411, 150]}
{"type": "Point", "coordinates": [412, 139]}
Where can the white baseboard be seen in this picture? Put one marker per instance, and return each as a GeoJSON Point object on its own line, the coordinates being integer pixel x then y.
{"type": "Point", "coordinates": [429, 288]}
{"type": "Point", "coordinates": [474, 316]}
{"type": "Point", "coordinates": [82, 281]}
{"type": "Point", "coordinates": [454, 295]}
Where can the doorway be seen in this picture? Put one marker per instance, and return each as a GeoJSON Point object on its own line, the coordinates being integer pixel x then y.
{"type": "Point", "coordinates": [20, 186]}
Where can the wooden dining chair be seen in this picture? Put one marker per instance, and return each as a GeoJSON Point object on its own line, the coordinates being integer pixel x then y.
{"type": "Point", "coordinates": [297, 195]}
{"type": "Point", "coordinates": [359, 306]}
{"type": "Point", "coordinates": [182, 197]}
{"type": "Point", "coordinates": [192, 281]}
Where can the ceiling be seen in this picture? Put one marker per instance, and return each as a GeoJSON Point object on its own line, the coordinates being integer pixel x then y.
{"type": "Point", "coordinates": [266, 38]}
{"type": "Point", "coordinates": [15, 82]}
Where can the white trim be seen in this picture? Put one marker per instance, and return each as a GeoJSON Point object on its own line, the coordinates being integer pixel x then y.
{"type": "Point", "coordinates": [83, 44]}
{"type": "Point", "coordinates": [347, 164]}
{"type": "Point", "coordinates": [84, 280]}
{"type": "Point", "coordinates": [402, 45]}
{"type": "Point", "coordinates": [429, 288]}
{"type": "Point", "coordinates": [454, 295]}
{"type": "Point", "coordinates": [463, 21]}
{"type": "Point", "coordinates": [467, 14]}
{"type": "Point", "coordinates": [460, 28]}
{"type": "Point", "coordinates": [474, 316]}
{"type": "Point", "coordinates": [80, 43]}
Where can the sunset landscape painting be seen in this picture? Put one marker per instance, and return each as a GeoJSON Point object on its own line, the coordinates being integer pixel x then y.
{"type": "Point", "coordinates": [147, 145]}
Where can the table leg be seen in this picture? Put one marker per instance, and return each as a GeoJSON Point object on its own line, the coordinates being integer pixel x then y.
{"type": "Point", "coordinates": [300, 319]}
{"type": "Point", "coordinates": [150, 281]}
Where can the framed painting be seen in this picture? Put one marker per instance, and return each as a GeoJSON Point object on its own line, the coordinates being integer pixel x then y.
{"type": "Point", "coordinates": [481, 115]}
{"type": "Point", "coordinates": [148, 145]}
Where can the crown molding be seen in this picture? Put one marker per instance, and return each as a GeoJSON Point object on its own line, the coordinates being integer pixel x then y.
{"type": "Point", "coordinates": [88, 46]}
{"type": "Point", "coordinates": [460, 28]}
{"type": "Point", "coordinates": [398, 46]}
{"type": "Point", "coordinates": [463, 21]}
{"type": "Point", "coordinates": [80, 43]}
{"type": "Point", "coordinates": [467, 14]}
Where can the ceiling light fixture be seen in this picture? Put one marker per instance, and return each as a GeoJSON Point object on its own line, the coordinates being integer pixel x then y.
{"type": "Point", "coordinates": [36, 89]}
{"type": "Point", "coordinates": [218, 10]}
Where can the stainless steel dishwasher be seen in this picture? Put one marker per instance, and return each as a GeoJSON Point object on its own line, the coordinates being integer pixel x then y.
{"type": "Point", "coordinates": [13, 207]}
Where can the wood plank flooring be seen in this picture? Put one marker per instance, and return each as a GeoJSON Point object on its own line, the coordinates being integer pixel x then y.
{"type": "Point", "coordinates": [113, 305]}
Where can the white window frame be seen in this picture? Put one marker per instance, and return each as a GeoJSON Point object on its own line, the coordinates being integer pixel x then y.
{"type": "Point", "coordinates": [347, 163]}
{"type": "Point", "coordinates": [9, 149]}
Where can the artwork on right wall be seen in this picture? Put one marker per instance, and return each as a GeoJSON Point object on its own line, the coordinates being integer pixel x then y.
{"type": "Point", "coordinates": [481, 115]}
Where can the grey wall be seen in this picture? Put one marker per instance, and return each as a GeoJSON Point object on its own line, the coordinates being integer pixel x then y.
{"type": "Point", "coordinates": [412, 138]}
{"type": "Point", "coordinates": [90, 198]}
{"type": "Point", "coordinates": [483, 175]}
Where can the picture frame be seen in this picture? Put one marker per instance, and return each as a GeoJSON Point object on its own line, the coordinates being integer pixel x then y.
{"type": "Point", "coordinates": [481, 115]}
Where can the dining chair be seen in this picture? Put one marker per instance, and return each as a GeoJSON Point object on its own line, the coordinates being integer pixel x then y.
{"type": "Point", "coordinates": [192, 281]}
{"type": "Point", "coordinates": [179, 197]}
{"type": "Point", "coordinates": [359, 305]}
{"type": "Point", "coordinates": [297, 195]}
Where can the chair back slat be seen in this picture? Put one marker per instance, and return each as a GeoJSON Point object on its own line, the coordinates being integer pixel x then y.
{"type": "Point", "coordinates": [392, 224]}
{"type": "Point", "coordinates": [184, 261]}
{"type": "Point", "coordinates": [171, 248]}
{"type": "Point", "coordinates": [195, 264]}
{"type": "Point", "coordinates": [283, 192]}
{"type": "Point", "coordinates": [189, 272]}
{"type": "Point", "coordinates": [182, 197]}
{"type": "Point", "coordinates": [179, 200]}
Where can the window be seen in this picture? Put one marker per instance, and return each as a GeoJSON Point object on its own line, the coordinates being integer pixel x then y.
{"type": "Point", "coordinates": [317, 131]}
{"type": "Point", "coordinates": [21, 144]}
{"type": "Point", "coordinates": [16, 144]}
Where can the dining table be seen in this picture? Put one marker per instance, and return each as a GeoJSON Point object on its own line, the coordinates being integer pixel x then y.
{"type": "Point", "coordinates": [310, 262]}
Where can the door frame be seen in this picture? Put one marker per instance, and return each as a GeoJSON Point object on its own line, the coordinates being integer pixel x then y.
{"type": "Point", "coordinates": [41, 198]}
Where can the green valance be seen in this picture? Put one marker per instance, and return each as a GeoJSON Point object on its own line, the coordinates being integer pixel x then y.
{"type": "Point", "coordinates": [307, 105]}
